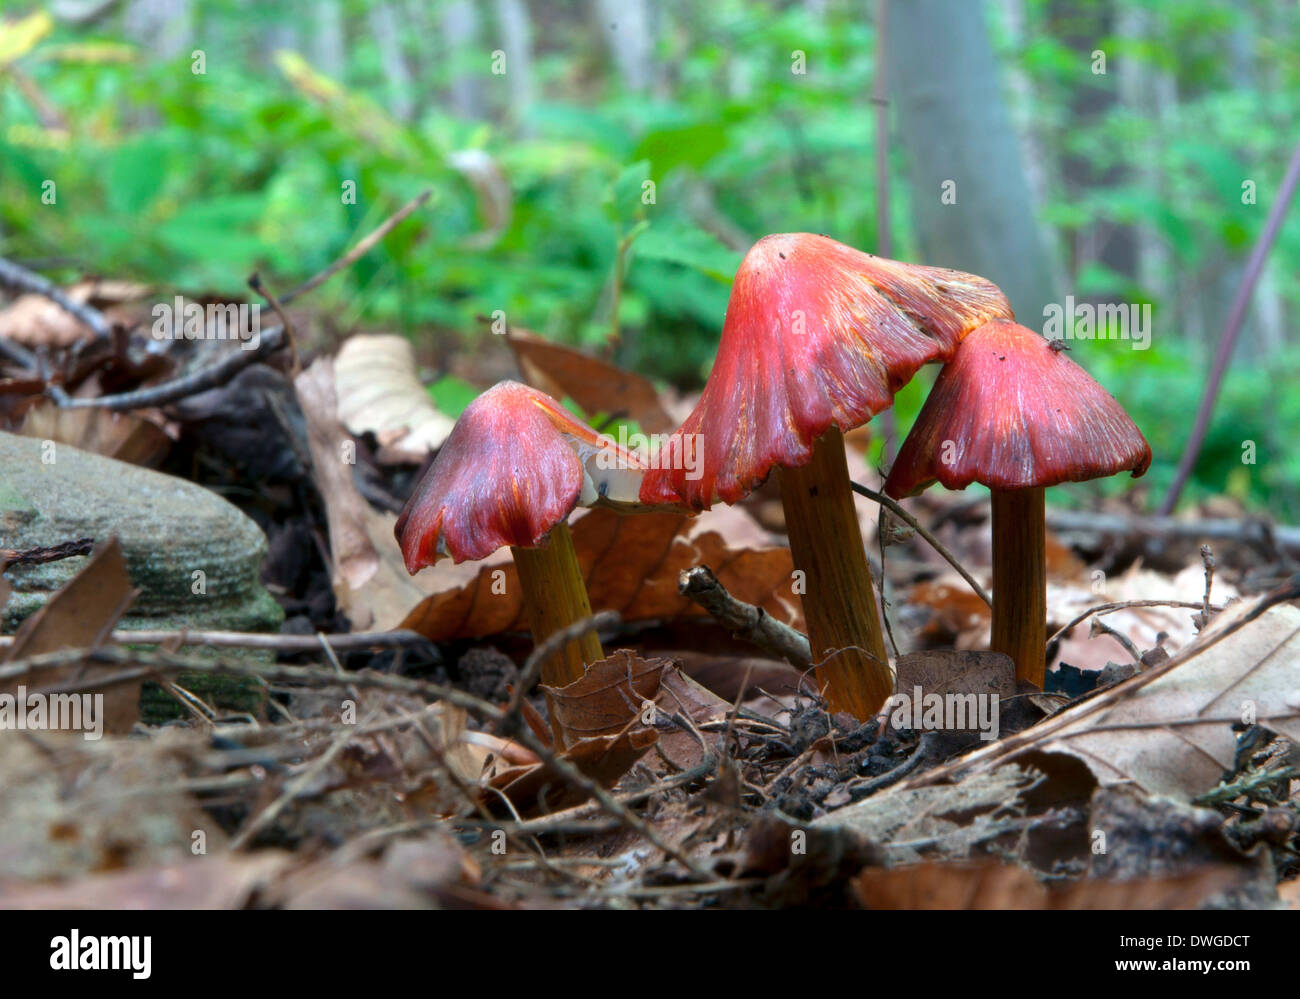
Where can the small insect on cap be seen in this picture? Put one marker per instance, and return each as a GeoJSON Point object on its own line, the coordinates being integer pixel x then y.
{"type": "Point", "coordinates": [817, 333]}
{"type": "Point", "coordinates": [1010, 412]}
{"type": "Point", "coordinates": [515, 464]}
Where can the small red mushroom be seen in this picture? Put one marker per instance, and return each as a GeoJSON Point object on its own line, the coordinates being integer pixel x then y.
{"type": "Point", "coordinates": [513, 468]}
{"type": "Point", "coordinates": [818, 337]}
{"type": "Point", "coordinates": [1015, 415]}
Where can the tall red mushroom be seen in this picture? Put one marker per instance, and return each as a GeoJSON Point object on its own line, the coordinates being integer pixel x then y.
{"type": "Point", "coordinates": [1015, 415]}
{"type": "Point", "coordinates": [515, 465]}
{"type": "Point", "coordinates": [818, 337]}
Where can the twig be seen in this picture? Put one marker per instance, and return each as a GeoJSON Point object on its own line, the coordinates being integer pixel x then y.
{"type": "Point", "coordinates": [287, 644]}
{"type": "Point", "coordinates": [930, 539]}
{"type": "Point", "coordinates": [552, 644]}
{"type": "Point", "coordinates": [296, 787]}
{"type": "Point", "coordinates": [45, 553]}
{"type": "Point", "coordinates": [258, 285]}
{"type": "Point", "coordinates": [387, 226]}
{"type": "Point", "coordinates": [1231, 328]}
{"type": "Point", "coordinates": [1121, 605]}
{"type": "Point", "coordinates": [884, 236]}
{"type": "Point", "coordinates": [17, 353]}
{"type": "Point", "coordinates": [608, 802]}
{"type": "Point", "coordinates": [747, 621]}
{"type": "Point", "coordinates": [1100, 627]}
{"type": "Point", "coordinates": [1251, 531]}
{"type": "Point", "coordinates": [171, 662]}
{"type": "Point", "coordinates": [179, 388]}
{"type": "Point", "coordinates": [1207, 559]}
{"type": "Point", "coordinates": [14, 276]}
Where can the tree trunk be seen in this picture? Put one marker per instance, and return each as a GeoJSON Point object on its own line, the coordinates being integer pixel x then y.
{"type": "Point", "coordinates": [960, 145]}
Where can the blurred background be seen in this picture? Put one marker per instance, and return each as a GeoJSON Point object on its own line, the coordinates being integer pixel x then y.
{"type": "Point", "coordinates": [599, 167]}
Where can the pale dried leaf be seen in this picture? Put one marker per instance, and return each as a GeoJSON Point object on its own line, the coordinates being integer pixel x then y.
{"type": "Point", "coordinates": [379, 392]}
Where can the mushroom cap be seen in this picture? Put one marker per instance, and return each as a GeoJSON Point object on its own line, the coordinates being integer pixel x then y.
{"type": "Point", "coordinates": [817, 333]}
{"type": "Point", "coordinates": [515, 464]}
{"type": "Point", "coordinates": [1018, 415]}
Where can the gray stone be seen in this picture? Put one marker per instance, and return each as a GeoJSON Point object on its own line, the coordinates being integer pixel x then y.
{"type": "Point", "coordinates": [168, 529]}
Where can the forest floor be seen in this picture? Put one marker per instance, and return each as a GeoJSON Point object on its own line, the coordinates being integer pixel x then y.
{"type": "Point", "coordinates": [376, 751]}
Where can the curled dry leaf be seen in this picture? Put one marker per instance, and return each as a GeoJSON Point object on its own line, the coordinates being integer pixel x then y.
{"type": "Point", "coordinates": [379, 391]}
{"type": "Point", "coordinates": [612, 698]}
{"type": "Point", "coordinates": [609, 698]}
{"type": "Point", "coordinates": [630, 564]}
{"type": "Point", "coordinates": [603, 759]}
{"type": "Point", "coordinates": [595, 385]}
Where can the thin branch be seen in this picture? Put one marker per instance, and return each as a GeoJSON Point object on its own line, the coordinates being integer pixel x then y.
{"type": "Point", "coordinates": [747, 621]}
{"type": "Point", "coordinates": [1121, 605]}
{"type": "Point", "coordinates": [930, 539]}
{"type": "Point", "coordinates": [15, 276]}
{"type": "Point", "coordinates": [192, 384]}
{"type": "Point", "coordinates": [45, 553]}
{"type": "Point", "coordinates": [358, 251]}
{"type": "Point", "coordinates": [1231, 329]}
{"type": "Point", "coordinates": [552, 644]}
{"type": "Point", "coordinates": [258, 285]}
{"type": "Point", "coordinates": [287, 644]}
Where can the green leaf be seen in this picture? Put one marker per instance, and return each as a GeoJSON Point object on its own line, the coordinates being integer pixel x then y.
{"type": "Point", "coordinates": [680, 242]}
{"type": "Point", "coordinates": [693, 145]}
{"type": "Point", "coordinates": [452, 395]}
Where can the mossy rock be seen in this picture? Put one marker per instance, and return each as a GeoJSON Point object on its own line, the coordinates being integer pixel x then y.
{"type": "Point", "coordinates": [195, 557]}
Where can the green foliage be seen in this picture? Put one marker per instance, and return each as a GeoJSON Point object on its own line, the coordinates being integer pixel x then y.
{"type": "Point", "coordinates": [193, 181]}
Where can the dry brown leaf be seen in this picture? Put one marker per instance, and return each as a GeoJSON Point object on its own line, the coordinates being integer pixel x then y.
{"type": "Point", "coordinates": [945, 671]}
{"type": "Point", "coordinates": [379, 391]}
{"type": "Point", "coordinates": [999, 886]}
{"type": "Point", "coordinates": [1141, 624]}
{"type": "Point", "coordinates": [595, 385]}
{"type": "Point", "coordinates": [611, 698]}
{"type": "Point", "coordinates": [1173, 736]}
{"type": "Point", "coordinates": [631, 564]}
{"type": "Point", "coordinates": [1169, 730]}
{"type": "Point", "coordinates": [608, 698]}
{"type": "Point", "coordinates": [81, 614]}
{"type": "Point", "coordinates": [540, 788]}
{"type": "Point", "coordinates": [125, 436]}
{"type": "Point", "coordinates": [428, 872]}
{"type": "Point", "coordinates": [957, 616]}
{"type": "Point", "coordinates": [370, 582]}
{"type": "Point", "coordinates": [679, 694]}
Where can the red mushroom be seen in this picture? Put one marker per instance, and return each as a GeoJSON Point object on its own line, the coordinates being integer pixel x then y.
{"type": "Point", "coordinates": [818, 338]}
{"type": "Point", "coordinates": [513, 468]}
{"type": "Point", "coordinates": [1015, 415]}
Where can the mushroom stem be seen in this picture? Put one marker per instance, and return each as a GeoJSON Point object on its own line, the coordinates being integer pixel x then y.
{"type": "Point", "coordinates": [839, 602]}
{"type": "Point", "coordinates": [1020, 581]}
{"type": "Point", "coordinates": [555, 596]}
